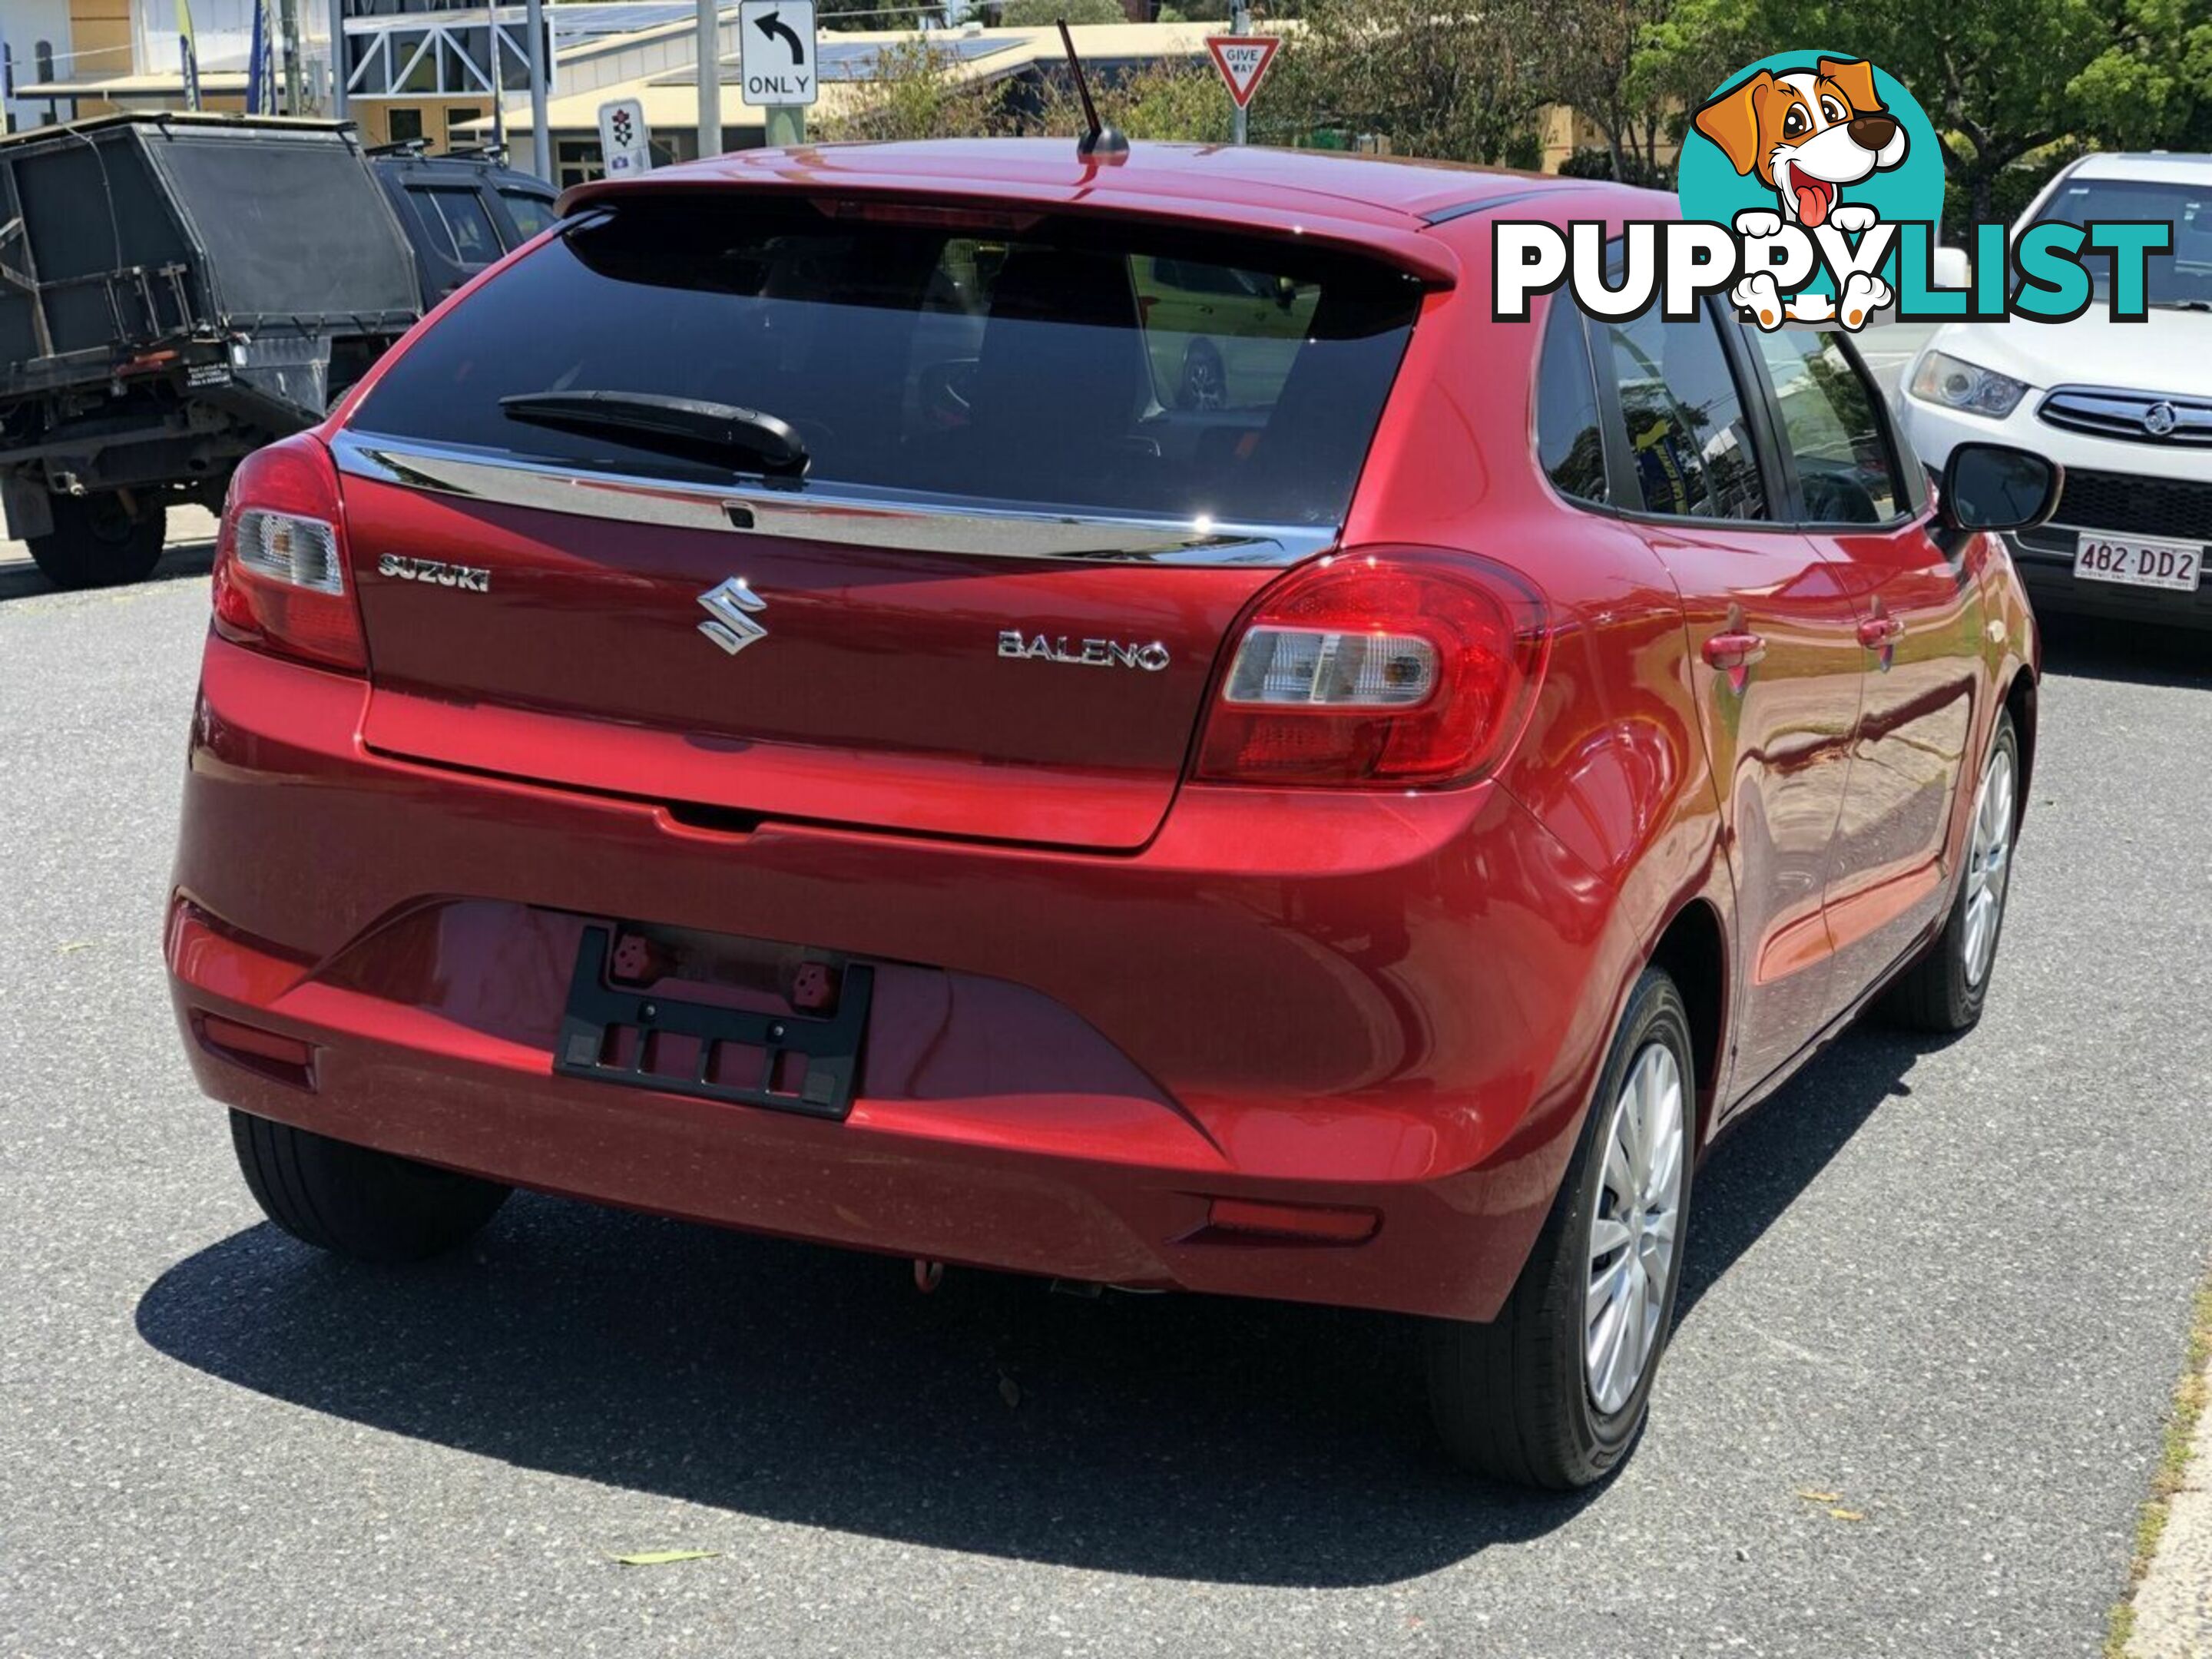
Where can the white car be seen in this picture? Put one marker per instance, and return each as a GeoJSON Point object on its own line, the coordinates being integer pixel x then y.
{"type": "Point", "coordinates": [2125, 408]}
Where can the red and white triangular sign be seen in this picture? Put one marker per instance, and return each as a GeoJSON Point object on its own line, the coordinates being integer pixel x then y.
{"type": "Point", "coordinates": [1242, 60]}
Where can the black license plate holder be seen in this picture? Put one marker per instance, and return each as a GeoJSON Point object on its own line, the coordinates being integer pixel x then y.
{"type": "Point", "coordinates": [830, 1046]}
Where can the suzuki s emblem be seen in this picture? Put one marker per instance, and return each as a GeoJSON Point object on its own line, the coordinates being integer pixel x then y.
{"type": "Point", "coordinates": [2160, 419]}
{"type": "Point", "coordinates": [731, 609]}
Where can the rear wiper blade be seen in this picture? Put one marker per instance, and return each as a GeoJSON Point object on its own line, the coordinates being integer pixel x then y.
{"type": "Point", "coordinates": [684, 425]}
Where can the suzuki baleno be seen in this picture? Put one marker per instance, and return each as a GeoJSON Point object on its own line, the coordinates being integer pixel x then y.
{"type": "Point", "coordinates": [777, 705]}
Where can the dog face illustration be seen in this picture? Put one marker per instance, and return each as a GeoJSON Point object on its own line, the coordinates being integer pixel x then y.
{"type": "Point", "coordinates": [1807, 134]}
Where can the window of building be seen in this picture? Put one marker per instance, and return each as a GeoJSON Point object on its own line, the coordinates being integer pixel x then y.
{"type": "Point", "coordinates": [42, 55]}
{"type": "Point", "coordinates": [577, 161]}
{"type": "Point", "coordinates": [458, 117]}
{"type": "Point", "coordinates": [406, 125]}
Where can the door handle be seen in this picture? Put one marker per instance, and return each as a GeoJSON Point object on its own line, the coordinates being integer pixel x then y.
{"type": "Point", "coordinates": [1875, 632]}
{"type": "Point", "coordinates": [1734, 650]}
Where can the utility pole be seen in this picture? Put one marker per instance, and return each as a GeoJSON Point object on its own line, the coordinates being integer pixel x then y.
{"type": "Point", "coordinates": [710, 78]}
{"type": "Point", "coordinates": [295, 85]}
{"type": "Point", "coordinates": [1240, 22]}
{"type": "Point", "coordinates": [541, 144]}
{"type": "Point", "coordinates": [337, 60]}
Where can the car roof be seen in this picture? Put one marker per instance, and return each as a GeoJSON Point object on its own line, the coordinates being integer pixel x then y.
{"type": "Point", "coordinates": [1379, 202]}
{"type": "Point", "coordinates": [2154, 167]}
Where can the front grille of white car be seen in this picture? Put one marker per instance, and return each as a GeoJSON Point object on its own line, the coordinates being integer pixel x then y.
{"type": "Point", "coordinates": [2142, 417]}
{"type": "Point", "coordinates": [2127, 503]}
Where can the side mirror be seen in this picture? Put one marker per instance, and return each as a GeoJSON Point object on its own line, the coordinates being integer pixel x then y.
{"type": "Point", "coordinates": [1996, 487]}
{"type": "Point", "coordinates": [1949, 269]}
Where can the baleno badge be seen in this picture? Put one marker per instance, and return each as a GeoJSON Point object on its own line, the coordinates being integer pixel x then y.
{"type": "Point", "coordinates": [730, 608]}
{"type": "Point", "coordinates": [1087, 653]}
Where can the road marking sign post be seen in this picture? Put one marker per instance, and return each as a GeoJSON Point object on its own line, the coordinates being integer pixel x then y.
{"type": "Point", "coordinates": [1242, 60]}
{"type": "Point", "coordinates": [777, 59]}
{"type": "Point", "coordinates": [625, 146]}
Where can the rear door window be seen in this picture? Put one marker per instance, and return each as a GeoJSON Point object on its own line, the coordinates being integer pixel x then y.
{"type": "Point", "coordinates": [531, 213]}
{"type": "Point", "coordinates": [1025, 360]}
{"type": "Point", "coordinates": [1831, 429]}
{"type": "Point", "coordinates": [1687, 437]}
{"type": "Point", "coordinates": [459, 226]}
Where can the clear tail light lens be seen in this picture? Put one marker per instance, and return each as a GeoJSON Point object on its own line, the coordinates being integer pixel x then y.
{"type": "Point", "coordinates": [280, 561]}
{"type": "Point", "coordinates": [1378, 668]}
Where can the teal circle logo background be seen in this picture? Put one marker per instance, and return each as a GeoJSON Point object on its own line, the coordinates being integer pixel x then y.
{"type": "Point", "coordinates": [1710, 188]}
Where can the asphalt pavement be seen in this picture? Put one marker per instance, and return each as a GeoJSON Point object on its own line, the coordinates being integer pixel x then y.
{"type": "Point", "coordinates": [1933, 1312]}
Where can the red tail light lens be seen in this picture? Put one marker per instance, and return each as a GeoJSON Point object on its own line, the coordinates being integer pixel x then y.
{"type": "Point", "coordinates": [1397, 667]}
{"type": "Point", "coordinates": [280, 560]}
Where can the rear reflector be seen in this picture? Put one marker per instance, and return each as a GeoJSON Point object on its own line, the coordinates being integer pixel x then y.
{"type": "Point", "coordinates": [1292, 1221]}
{"type": "Point", "coordinates": [273, 1055]}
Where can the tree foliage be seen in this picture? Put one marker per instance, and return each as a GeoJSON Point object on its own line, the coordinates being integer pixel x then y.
{"type": "Point", "coordinates": [1457, 84]}
{"type": "Point", "coordinates": [1043, 14]}
{"type": "Point", "coordinates": [2002, 79]}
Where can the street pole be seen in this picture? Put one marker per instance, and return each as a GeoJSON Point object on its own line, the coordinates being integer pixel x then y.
{"type": "Point", "coordinates": [710, 78]}
{"type": "Point", "coordinates": [1240, 22]}
{"type": "Point", "coordinates": [784, 125]}
{"type": "Point", "coordinates": [541, 144]}
{"type": "Point", "coordinates": [337, 60]}
{"type": "Point", "coordinates": [295, 85]}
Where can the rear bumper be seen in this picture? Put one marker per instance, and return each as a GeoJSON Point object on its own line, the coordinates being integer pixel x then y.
{"type": "Point", "coordinates": [1379, 1003]}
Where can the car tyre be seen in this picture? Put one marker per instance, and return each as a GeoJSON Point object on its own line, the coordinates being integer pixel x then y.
{"type": "Point", "coordinates": [1534, 1398]}
{"type": "Point", "coordinates": [354, 1202]}
{"type": "Point", "coordinates": [1944, 991]}
{"type": "Point", "coordinates": [97, 542]}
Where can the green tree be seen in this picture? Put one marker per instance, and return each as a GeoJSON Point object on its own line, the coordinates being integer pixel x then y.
{"type": "Point", "coordinates": [1450, 85]}
{"type": "Point", "coordinates": [1043, 14]}
{"type": "Point", "coordinates": [916, 93]}
{"type": "Point", "coordinates": [2004, 81]}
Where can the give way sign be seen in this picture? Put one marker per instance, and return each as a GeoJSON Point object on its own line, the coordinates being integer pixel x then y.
{"type": "Point", "coordinates": [1242, 60]}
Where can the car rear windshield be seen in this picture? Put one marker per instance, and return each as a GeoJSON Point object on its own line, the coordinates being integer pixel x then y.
{"type": "Point", "coordinates": [1022, 360]}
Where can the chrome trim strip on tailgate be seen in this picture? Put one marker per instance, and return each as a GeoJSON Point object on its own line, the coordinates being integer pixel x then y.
{"type": "Point", "coordinates": [854, 517]}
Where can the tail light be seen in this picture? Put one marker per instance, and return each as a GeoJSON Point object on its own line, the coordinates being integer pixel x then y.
{"type": "Point", "coordinates": [1385, 667]}
{"type": "Point", "coordinates": [280, 559]}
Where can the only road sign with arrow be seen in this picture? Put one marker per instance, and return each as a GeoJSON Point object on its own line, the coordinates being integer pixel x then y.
{"type": "Point", "coordinates": [1242, 60]}
{"type": "Point", "coordinates": [775, 56]}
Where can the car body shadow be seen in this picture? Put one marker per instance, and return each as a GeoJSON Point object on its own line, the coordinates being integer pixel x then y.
{"type": "Point", "coordinates": [2096, 647]}
{"type": "Point", "coordinates": [1182, 1437]}
{"type": "Point", "coordinates": [181, 561]}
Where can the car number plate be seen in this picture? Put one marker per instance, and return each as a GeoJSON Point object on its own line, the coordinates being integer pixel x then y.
{"type": "Point", "coordinates": [2099, 558]}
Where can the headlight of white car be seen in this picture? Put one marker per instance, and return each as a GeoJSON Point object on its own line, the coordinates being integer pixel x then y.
{"type": "Point", "coordinates": [1957, 384]}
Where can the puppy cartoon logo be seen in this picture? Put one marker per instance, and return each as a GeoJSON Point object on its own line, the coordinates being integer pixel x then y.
{"type": "Point", "coordinates": [1811, 192]}
{"type": "Point", "coordinates": [1806, 135]}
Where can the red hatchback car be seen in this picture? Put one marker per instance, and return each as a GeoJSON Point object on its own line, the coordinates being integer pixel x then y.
{"type": "Point", "coordinates": [764, 708]}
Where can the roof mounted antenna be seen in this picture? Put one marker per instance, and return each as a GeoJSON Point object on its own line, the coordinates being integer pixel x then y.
{"type": "Point", "coordinates": [1101, 143]}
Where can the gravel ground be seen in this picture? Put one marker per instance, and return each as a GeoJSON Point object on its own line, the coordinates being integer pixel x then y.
{"type": "Point", "coordinates": [1945, 1283]}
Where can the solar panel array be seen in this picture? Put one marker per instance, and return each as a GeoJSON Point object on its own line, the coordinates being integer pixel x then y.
{"type": "Point", "coordinates": [587, 19]}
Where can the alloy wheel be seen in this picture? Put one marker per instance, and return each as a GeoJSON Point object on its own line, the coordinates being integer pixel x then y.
{"type": "Point", "coordinates": [1635, 1231]}
{"type": "Point", "coordinates": [1989, 863]}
